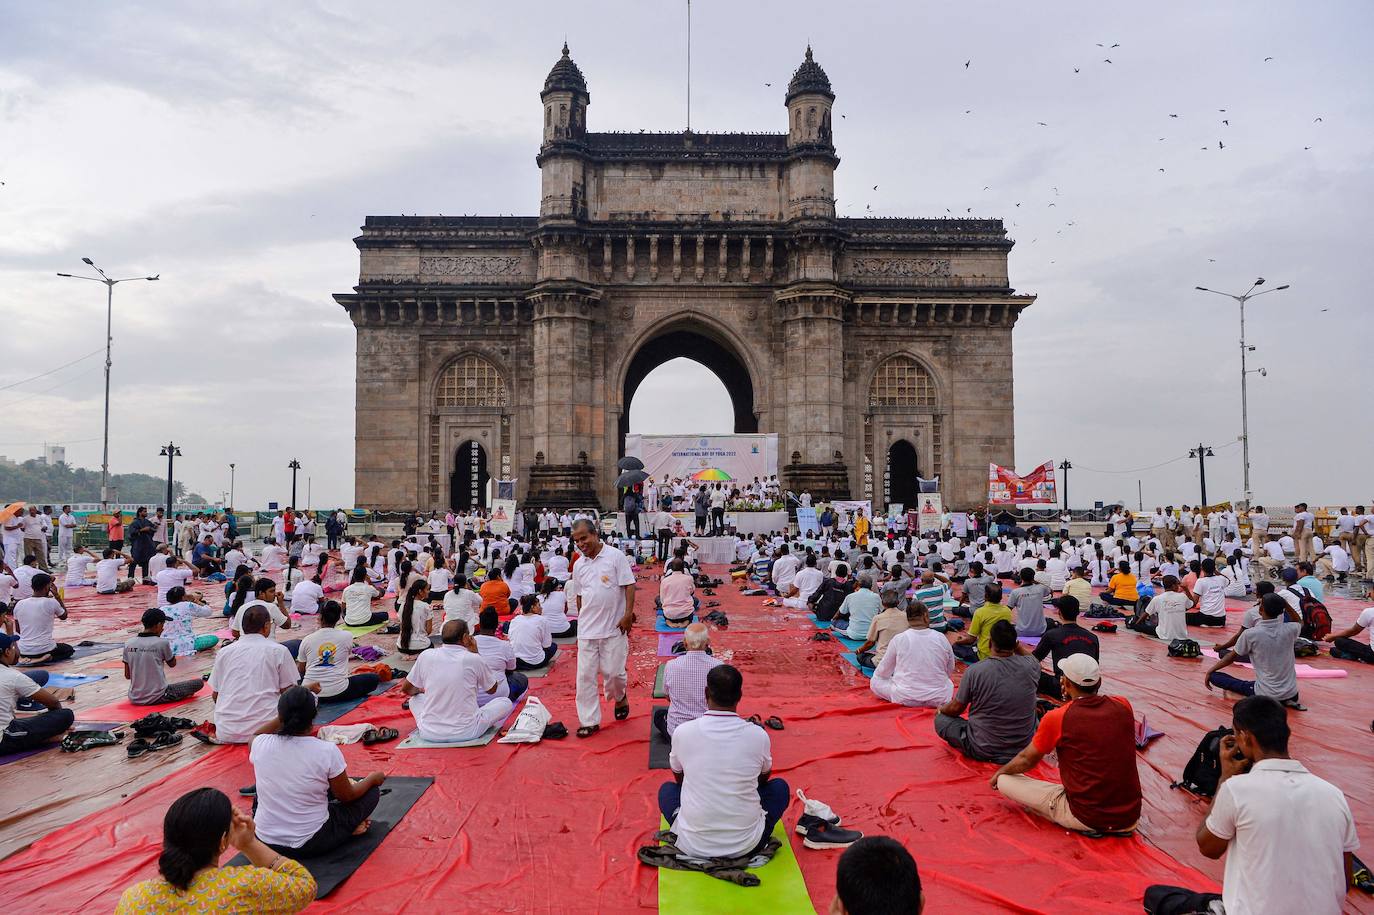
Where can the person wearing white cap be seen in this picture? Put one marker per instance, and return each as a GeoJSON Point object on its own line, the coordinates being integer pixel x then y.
{"type": "Point", "coordinates": [1094, 736]}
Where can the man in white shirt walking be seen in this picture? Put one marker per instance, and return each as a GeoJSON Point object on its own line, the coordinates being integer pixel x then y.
{"type": "Point", "coordinates": [722, 802]}
{"type": "Point", "coordinates": [1288, 836]}
{"type": "Point", "coordinates": [605, 585]}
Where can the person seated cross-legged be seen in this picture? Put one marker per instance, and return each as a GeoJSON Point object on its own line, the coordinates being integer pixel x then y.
{"type": "Point", "coordinates": [722, 802]}
{"type": "Point", "coordinates": [29, 732]}
{"type": "Point", "coordinates": [306, 805]}
{"type": "Point", "coordinates": [1269, 646]}
{"type": "Point", "coordinates": [979, 632]}
{"type": "Point", "coordinates": [144, 657]}
{"type": "Point", "coordinates": [530, 637]}
{"type": "Point", "coordinates": [323, 660]}
{"type": "Point", "coordinates": [1094, 736]}
{"type": "Point", "coordinates": [1122, 588]}
{"type": "Point", "coordinates": [1343, 644]}
{"type": "Point", "coordinates": [917, 664]}
{"type": "Point", "coordinates": [684, 680]}
{"type": "Point", "coordinates": [443, 685]}
{"type": "Point", "coordinates": [676, 595]}
{"type": "Point", "coordinates": [1068, 638]}
{"type": "Point", "coordinates": [881, 630]}
{"type": "Point", "coordinates": [999, 694]}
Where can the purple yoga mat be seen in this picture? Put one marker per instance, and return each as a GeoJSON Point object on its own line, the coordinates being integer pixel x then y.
{"type": "Point", "coordinates": [666, 641]}
{"type": "Point", "coordinates": [57, 741]}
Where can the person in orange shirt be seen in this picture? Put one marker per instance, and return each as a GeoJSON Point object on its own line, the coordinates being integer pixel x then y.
{"type": "Point", "coordinates": [496, 593]}
{"type": "Point", "coordinates": [1121, 588]}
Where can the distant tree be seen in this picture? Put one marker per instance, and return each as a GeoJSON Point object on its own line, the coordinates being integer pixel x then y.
{"type": "Point", "coordinates": [56, 484]}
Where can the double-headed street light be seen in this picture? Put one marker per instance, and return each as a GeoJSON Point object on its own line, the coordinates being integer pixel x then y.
{"type": "Point", "coordinates": [170, 451]}
{"type": "Point", "coordinates": [1244, 404]}
{"type": "Point", "coordinates": [109, 338]}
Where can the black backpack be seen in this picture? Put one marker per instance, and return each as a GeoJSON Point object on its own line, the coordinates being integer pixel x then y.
{"type": "Point", "coordinates": [1184, 648]}
{"type": "Point", "coordinates": [1203, 771]}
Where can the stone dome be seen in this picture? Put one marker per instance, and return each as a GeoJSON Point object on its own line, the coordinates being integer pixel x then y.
{"type": "Point", "coordinates": [566, 76]}
{"type": "Point", "coordinates": [809, 78]}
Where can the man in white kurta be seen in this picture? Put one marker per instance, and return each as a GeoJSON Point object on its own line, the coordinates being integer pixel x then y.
{"type": "Point", "coordinates": [605, 589]}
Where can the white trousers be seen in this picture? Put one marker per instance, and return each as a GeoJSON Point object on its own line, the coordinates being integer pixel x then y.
{"type": "Point", "coordinates": [606, 658]}
{"type": "Point", "coordinates": [12, 550]}
{"type": "Point", "coordinates": [64, 545]}
{"type": "Point", "coordinates": [882, 687]}
{"type": "Point", "coordinates": [489, 715]}
{"type": "Point", "coordinates": [796, 603]}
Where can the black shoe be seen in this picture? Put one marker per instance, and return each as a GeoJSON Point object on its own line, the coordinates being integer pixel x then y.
{"type": "Point", "coordinates": [823, 835]}
{"type": "Point", "coordinates": [806, 822]}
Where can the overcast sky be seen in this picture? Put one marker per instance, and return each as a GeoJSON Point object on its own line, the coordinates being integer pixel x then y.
{"type": "Point", "coordinates": [235, 149]}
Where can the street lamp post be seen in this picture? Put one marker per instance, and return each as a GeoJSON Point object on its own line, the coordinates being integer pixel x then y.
{"type": "Point", "coordinates": [109, 339]}
{"type": "Point", "coordinates": [1244, 372]}
{"type": "Point", "coordinates": [295, 465]}
{"type": "Point", "coordinates": [231, 485]}
{"type": "Point", "coordinates": [170, 451]}
{"type": "Point", "coordinates": [1066, 465]}
{"type": "Point", "coordinates": [1202, 452]}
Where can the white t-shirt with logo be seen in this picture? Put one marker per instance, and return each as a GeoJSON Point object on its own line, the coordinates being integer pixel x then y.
{"type": "Point", "coordinates": [1211, 593]}
{"type": "Point", "coordinates": [325, 653]}
{"type": "Point", "coordinates": [600, 587]}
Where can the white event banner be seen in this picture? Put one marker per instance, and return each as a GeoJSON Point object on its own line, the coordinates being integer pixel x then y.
{"type": "Point", "coordinates": [707, 458]}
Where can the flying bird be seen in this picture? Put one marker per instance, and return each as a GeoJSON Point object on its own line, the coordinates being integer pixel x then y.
{"type": "Point", "coordinates": [985, 187]}
{"type": "Point", "coordinates": [1051, 204]}
{"type": "Point", "coordinates": [968, 111]}
{"type": "Point", "coordinates": [769, 85]}
{"type": "Point", "coordinates": [1316, 120]}
{"type": "Point", "coordinates": [967, 62]}
{"type": "Point", "coordinates": [1173, 115]}
{"type": "Point", "coordinates": [1211, 260]}
{"type": "Point", "coordinates": [1161, 169]}
{"type": "Point", "coordinates": [1106, 60]}
{"type": "Point", "coordinates": [1042, 123]}
{"type": "Point", "coordinates": [1226, 122]}
{"type": "Point", "coordinates": [1267, 59]}
{"type": "Point", "coordinates": [1075, 69]}
{"type": "Point", "coordinates": [1326, 309]}
{"type": "Point", "coordinates": [875, 187]}
{"type": "Point", "coordinates": [1220, 145]}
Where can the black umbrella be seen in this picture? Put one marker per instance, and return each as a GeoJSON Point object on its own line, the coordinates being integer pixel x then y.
{"type": "Point", "coordinates": [629, 462]}
{"type": "Point", "coordinates": [630, 478]}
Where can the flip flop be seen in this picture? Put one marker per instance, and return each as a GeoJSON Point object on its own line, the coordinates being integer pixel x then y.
{"type": "Point", "coordinates": [755, 719]}
{"type": "Point", "coordinates": [622, 712]}
{"type": "Point", "coordinates": [588, 730]}
{"type": "Point", "coordinates": [138, 747]}
{"type": "Point", "coordinates": [774, 722]}
{"type": "Point", "coordinates": [379, 735]}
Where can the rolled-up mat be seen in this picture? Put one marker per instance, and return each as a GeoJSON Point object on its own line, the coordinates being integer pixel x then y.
{"type": "Point", "coordinates": [399, 794]}
{"type": "Point", "coordinates": [781, 888]}
{"type": "Point", "coordinates": [660, 691]}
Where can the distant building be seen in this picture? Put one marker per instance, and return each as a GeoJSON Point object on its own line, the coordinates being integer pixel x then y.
{"type": "Point", "coordinates": [54, 454]}
{"type": "Point", "coordinates": [7, 462]}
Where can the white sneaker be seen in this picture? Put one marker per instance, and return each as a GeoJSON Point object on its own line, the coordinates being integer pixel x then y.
{"type": "Point", "coordinates": [818, 809]}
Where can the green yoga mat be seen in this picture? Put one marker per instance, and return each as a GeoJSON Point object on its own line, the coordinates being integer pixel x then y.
{"type": "Point", "coordinates": [659, 691]}
{"type": "Point", "coordinates": [781, 889]}
{"type": "Point", "coordinates": [363, 630]}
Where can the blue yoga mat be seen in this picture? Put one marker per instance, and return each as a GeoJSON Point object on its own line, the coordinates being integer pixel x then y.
{"type": "Point", "coordinates": [853, 659]}
{"type": "Point", "coordinates": [819, 624]}
{"type": "Point", "coordinates": [661, 625]}
{"type": "Point", "coordinates": [847, 642]}
{"type": "Point", "coordinates": [60, 680]}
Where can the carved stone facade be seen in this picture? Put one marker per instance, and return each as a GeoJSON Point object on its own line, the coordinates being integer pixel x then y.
{"type": "Point", "coordinates": [529, 335]}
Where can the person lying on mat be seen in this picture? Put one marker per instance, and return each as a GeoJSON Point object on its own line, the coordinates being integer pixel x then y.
{"type": "Point", "coordinates": [444, 684]}
{"type": "Point", "coordinates": [323, 660]}
{"type": "Point", "coordinates": [34, 617]}
{"type": "Point", "coordinates": [1269, 646]}
{"type": "Point", "coordinates": [722, 802]}
{"type": "Point", "coordinates": [891, 620]}
{"type": "Point", "coordinates": [498, 655]}
{"type": "Point", "coordinates": [1094, 736]}
{"type": "Point", "coordinates": [1068, 638]}
{"type": "Point", "coordinates": [684, 681]}
{"type": "Point", "coordinates": [18, 734]}
{"type": "Point", "coordinates": [999, 694]}
{"type": "Point", "coordinates": [1288, 836]}
{"type": "Point", "coordinates": [144, 658]}
{"type": "Point", "coordinates": [857, 611]}
{"type": "Point", "coordinates": [877, 876]}
{"type": "Point", "coordinates": [677, 595]}
{"type": "Point", "coordinates": [247, 678]}
{"type": "Point", "coordinates": [980, 626]}
{"type": "Point", "coordinates": [915, 668]}
{"type": "Point", "coordinates": [197, 829]}
{"type": "Point", "coordinates": [530, 637]}
{"type": "Point", "coordinates": [306, 805]}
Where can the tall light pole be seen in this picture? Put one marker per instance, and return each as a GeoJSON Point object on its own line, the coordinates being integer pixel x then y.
{"type": "Point", "coordinates": [170, 451]}
{"type": "Point", "coordinates": [1066, 465]}
{"type": "Point", "coordinates": [1244, 372]}
{"type": "Point", "coordinates": [1201, 452]}
{"type": "Point", "coordinates": [109, 339]}
{"type": "Point", "coordinates": [295, 465]}
{"type": "Point", "coordinates": [231, 485]}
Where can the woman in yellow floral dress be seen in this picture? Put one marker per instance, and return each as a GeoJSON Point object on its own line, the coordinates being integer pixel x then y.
{"type": "Point", "coordinates": [198, 827]}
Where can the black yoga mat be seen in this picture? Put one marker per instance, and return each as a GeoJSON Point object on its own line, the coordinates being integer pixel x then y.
{"type": "Point", "coordinates": [338, 865]}
{"type": "Point", "coordinates": [329, 712]}
{"type": "Point", "coordinates": [659, 747]}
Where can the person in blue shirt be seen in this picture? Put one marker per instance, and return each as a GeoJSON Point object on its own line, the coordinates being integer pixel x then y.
{"type": "Point", "coordinates": [205, 557]}
{"type": "Point", "coordinates": [1309, 582]}
{"type": "Point", "coordinates": [857, 611]}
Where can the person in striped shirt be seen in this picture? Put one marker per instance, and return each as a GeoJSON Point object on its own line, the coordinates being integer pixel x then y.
{"type": "Point", "coordinates": [932, 592]}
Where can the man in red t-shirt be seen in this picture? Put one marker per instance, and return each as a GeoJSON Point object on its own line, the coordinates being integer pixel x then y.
{"type": "Point", "coordinates": [1095, 737]}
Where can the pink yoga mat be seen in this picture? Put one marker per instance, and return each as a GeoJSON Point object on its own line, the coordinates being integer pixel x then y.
{"type": "Point", "coordinates": [127, 711]}
{"type": "Point", "coordinates": [1305, 671]}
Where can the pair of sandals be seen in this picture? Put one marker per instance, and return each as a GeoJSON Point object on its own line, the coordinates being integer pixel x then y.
{"type": "Point", "coordinates": [157, 722]}
{"type": "Point", "coordinates": [77, 741]}
{"type": "Point", "coordinates": [379, 735]}
{"type": "Point", "coordinates": [160, 740]}
{"type": "Point", "coordinates": [622, 711]}
{"type": "Point", "coordinates": [772, 721]}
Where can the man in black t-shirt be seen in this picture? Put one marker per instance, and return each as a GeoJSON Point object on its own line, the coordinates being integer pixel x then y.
{"type": "Point", "coordinates": [1058, 643]}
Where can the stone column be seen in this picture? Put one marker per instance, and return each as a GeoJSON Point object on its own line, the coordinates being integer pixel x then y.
{"type": "Point", "coordinates": [564, 412]}
{"type": "Point", "coordinates": [812, 321]}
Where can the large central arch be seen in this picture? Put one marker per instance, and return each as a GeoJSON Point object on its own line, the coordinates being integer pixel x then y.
{"type": "Point", "coordinates": [701, 346]}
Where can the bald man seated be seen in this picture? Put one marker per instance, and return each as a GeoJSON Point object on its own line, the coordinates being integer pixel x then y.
{"type": "Point", "coordinates": [684, 680]}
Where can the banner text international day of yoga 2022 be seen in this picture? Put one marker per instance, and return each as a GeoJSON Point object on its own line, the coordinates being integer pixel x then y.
{"type": "Point", "coordinates": [709, 458]}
